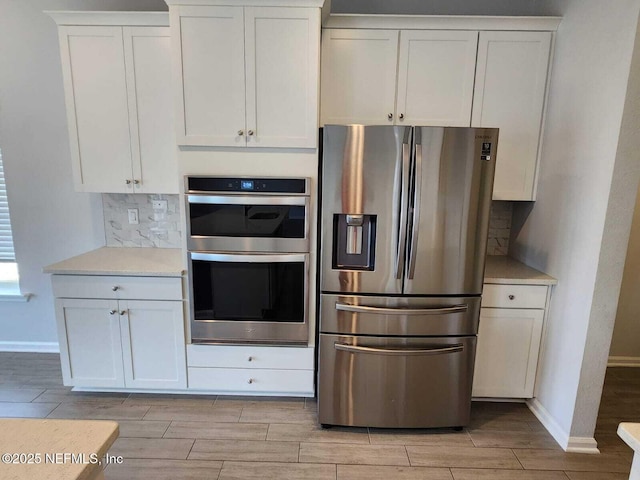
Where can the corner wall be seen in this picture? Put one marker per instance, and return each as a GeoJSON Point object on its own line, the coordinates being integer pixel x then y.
{"type": "Point", "coordinates": [579, 226]}
{"type": "Point", "coordinates": [625, 346]}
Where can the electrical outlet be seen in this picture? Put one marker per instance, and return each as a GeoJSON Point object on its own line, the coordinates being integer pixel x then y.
{"type": "Point", "coordinates": [159, 205]}
{"type": "Point", "coordinates": [133, 216]}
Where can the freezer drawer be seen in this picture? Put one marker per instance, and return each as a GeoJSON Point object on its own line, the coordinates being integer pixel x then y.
{"type": "Point", "coordinates": [395, 382]}
{"type": "Point", "coordinates": [400, 316]}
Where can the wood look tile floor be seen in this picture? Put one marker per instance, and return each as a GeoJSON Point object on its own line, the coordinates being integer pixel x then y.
{"type": "Point", "coordinates": [174, 437]}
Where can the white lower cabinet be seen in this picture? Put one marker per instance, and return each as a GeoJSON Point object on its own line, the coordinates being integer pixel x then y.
{"type": "Point", "coordinates": [509, 339]}
{"type": "Point", "coordinates": [118, 341]}
{"type": "Point", "coordinates": [264, 370]}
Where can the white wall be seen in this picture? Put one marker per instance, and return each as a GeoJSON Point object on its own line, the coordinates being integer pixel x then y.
{"type": "Point", "coordinates": [439, 7]}
{"type": "Point", "coordinates": [50, 221]}
{"type": "Point", "coordinates": [625, 346]}
{"type": "Point", "coordinates": [578, 229]}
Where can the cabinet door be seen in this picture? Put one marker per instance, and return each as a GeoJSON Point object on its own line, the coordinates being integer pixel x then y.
{"type": "Point", "coordinates": [435, 77]}
{"type": "Point", "coordinates": [90, 346]}
{"type": "Point", "coordinates": [282, 66]}
{"type": "Point", "coordinates": [509, 94]}
{"type": "Point", "coordinates": [358, 76]}
{"type": "Point", "coordinates": [150, 94]}
{"type": "Point", "coordinates": [209, 66]}
{"type": "Point", "coordinates": [507, 352]}
{"type": "Point", "coordinates": [93, 70]}
{"type": "Point", "coordinates": [153, 344]}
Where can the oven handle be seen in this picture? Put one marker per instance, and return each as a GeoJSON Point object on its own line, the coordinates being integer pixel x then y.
{"type": "Point", "coordinates": [246, 200]}
{"type": "Point", "coordinates": [400, 351]}
{"type": "Point", "coordinates": [248, 258]}
{"type": "Point", "coordinates": [401, 311]}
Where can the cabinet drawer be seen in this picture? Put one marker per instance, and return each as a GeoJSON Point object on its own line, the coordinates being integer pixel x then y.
{"type": "Point", "coordinates": [120, 288]}
{"type": "Point", "coordinates": [514, 296]}
{"type": "Point", "coordinates": [233, 380]}
{"type": "Point", "coordinates": [237, 356]}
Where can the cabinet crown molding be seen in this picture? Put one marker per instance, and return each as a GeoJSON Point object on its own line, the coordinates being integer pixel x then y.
{"type": "Point", "coordinates": [442, 22]}
{"type": "Point", "coordinates": [248, 3]}
{"type": "Point", "coordinates": [140, 19]}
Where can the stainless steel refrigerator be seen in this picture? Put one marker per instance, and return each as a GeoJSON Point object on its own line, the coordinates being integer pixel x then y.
{"type": "Point", "coordinates": [405, 214]}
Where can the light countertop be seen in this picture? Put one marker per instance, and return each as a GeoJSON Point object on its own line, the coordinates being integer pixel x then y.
{"type": "Point", "coordinates": [45, 436]}
{"type": "Point", "coordinates": [153, 262]}
{"type": "Point", "coordinates": [506, 270]}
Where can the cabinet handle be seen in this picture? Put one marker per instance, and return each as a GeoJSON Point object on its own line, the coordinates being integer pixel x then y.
{"type": "Point", "coordinates": [122, 312]}
{"type": "Point", "coordinates": [112, 312]}
{"type": "Point", "coordinates": [115, 288]}
{"type": "Point", "coordinates": [512, 297]}
{"type": "Point", "coordinates": [390, 116]}
{"type": "Point", "coordinates": [251, 380]}
{"type": "Point", "coordinates": [240, 132]}
{"type": "Point", "coordinates": [402, 116]}
{"type": "Point", "coordinates": [127, 181]}
{"type": "Point", "coordinates": [136, 182]}
{"type": "Point", "coordinates": [250, 359]}
{"type": "Point", "coordinates": [250, 132]}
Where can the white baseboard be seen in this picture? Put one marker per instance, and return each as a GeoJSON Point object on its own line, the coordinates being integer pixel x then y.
{"type": "Point", "coordinates": [582, 445]}
{"type": "Point", "coordinates": [568, 443]}
{"type": "Point", "coordinates": [615, 361]}
{"type": "Point", "coordinates": [39, 347]}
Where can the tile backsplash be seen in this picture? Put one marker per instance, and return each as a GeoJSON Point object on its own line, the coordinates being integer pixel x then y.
{"type": "Point", "coordinates": [499, 228]}
{"type": "Point", "coordinates": [156, 228]}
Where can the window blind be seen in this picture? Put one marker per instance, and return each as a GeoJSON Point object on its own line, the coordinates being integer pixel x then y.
{"type": "Point", "coordinates": [6, 238]}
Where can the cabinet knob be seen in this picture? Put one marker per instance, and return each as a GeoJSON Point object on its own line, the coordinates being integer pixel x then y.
{"type": "Point", "coordinates": [127, 181]}
{"type": "Point", "coordinates": [241, 132]}
{"type": "Point", "coordinates": [115, 288]}
{"type": "Point", "coordinates": [251, 380]}
{"type": "Point", "coordinates": [122, 312]}
{"type": "Point", "coordinates": [511, 297]}
{"type": "Point", "coordinates": [136, 182]}
{"type": "Point", "coordinates": [250, 132]}
{"type": "Point", "coordinates": [402, 116]}
{"type": "Point", "coordinates": [250, 359]}
{"type": "Point", "coordinates": [390, 116]}
{"type": "Point", "coordinates": [112, 312]}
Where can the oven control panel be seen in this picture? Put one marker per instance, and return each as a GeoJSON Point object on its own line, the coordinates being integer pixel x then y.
{"type": "Point", "coordinates": [247, 185]}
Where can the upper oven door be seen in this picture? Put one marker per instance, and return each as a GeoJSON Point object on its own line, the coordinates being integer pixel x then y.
{"type": "Point", "coordinates": [247, 223]}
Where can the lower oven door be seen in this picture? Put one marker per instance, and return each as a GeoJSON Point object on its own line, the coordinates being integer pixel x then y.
{"type": "Point", "coordinates": [248, 298]}
{"type": "Point", "coordinates": [391, 382]}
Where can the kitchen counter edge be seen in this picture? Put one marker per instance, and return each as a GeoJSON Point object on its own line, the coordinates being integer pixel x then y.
{"type": "Point", "coordinates": [126, 261]}
{"type": "Point", "coordinates": [506, 270]}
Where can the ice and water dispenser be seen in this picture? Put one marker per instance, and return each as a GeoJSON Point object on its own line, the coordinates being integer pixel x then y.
{"type": "Point", "coordinates": [354, 240]}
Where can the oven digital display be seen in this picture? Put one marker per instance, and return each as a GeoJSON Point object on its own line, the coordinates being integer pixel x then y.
{"type": "Point", "coordinates": [246, 184]}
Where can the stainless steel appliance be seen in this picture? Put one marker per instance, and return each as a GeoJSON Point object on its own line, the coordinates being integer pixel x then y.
{"type": "Point", "coordinates": [405, 214]}
{"type": "Point", "coordinates": [248, 252]}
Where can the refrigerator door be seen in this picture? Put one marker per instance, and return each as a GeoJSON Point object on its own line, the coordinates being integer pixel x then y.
{"type": "Point", "coordinates": [397, 382]}
{"type": "Point", "coordinates": [449, 209]}
{"type": "Point", "coordinates": [365, 195]}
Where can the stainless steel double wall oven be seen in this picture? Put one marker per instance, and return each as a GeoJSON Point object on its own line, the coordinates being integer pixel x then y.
{"type": "Point", "coordinates": [248, 251]}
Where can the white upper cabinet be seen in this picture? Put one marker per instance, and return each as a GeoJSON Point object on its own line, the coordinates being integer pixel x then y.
{"type": "Point", "coordinates": [359, 76]}
{"type": "Point", "coordinates": [97, 113]}
{"type": "Point", "coordinates": [210, 55]}
{"type": "Point", "coordinates": [511, 79]}
{"type": "Point", "coordinates": [118, 94]}
{"type": "Point", "coordinates": [148, 67]}
{"type": "Point", "coordinates": [412, 77]}
{"type": "Point", "coordinates": [435, 77]}
{"type": "Point", "coordinates": [246, 76]}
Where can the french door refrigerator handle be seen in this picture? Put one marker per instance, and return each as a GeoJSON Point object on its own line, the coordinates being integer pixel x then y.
{"type": "Point", "coordinates": [399, 351]}
{"type": "Point", "coordinates": [404, 200]}
{"type": "Point", "coordinates": [401, 311]}
{"type": "Point", "coordinates": [415, 227]}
